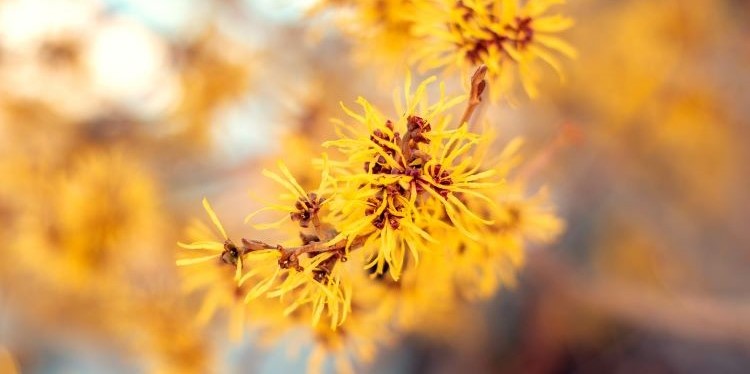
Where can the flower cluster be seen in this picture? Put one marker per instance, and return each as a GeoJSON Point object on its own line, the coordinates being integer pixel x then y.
{"type": "Point", "coordinates": [410, 209]}
{"type": "Point", "coordinates": [414, 212]}
{"type": "Point", "coordinates": [509, 38]}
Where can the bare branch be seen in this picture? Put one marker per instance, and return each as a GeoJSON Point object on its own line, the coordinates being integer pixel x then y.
{"type": "Point", "coordinates": [290, 255]}
{"type": "Point", "coordinates": [478, 84]}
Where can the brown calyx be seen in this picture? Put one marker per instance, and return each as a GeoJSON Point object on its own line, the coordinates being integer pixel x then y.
{"type": "Point", "coordinates": [231, 253]}
{"type": "Point", "coordinates": [380, 165]}
{"type": "Point", "coordinates": [289, 259]}
{"type": "Point", "coordinates": [441, 177]}
{"type": "Point", "coordinates": [386, 216]}
{"type": "Point", "coordinates": [410, 164]}
{"type": "Point", "coordinates": [323, 271]}
{"type": "Point", "coordinates": [307, 209]}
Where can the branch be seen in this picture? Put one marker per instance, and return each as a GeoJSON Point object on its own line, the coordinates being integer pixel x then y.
{"type": "Point", "coordinates": [478, 84]}
{"type": "Point", "coordinates": [290, 255]}
{"type": "Point", "coordinates": [688, 315]}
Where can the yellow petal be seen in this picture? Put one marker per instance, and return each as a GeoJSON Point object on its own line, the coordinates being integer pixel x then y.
{"type": "Point", "coordinates": [213, 217]}
{"type": "Point", "coordinates": [552, 24]}
{"type": "Point", "coordinates": [557, 44]}
{"type": "Point", "coordinates": [207, 245]}
{"type": "Point", "coordinates": [197, 260]}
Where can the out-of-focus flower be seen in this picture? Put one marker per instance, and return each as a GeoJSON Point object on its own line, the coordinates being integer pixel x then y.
{"type": "Point", "coordinates": [380, 31]}
{"type": "Point", "coordinates": [509, 39]}
{"type": "Point", "coordinates": [357, 340]}
{"type": "Point", "coordinates": [213, 72]}
{"type": "Point", "coordinates": [460, 268]}
{"type": "Point", "coordinates": [353, 343]}
{"type": "Point", "coordinates": [205, 271]}
{"type": "Point", "coordinates": [224, 250]}
{"type": "Point", "coordinates": [86, 225]}
{"type": "Point", "coordinates": [683, 129]}
{"type": "Point", "coordinates": [83, 240]}
{"type": "Point", "coordinates": [167, 336]}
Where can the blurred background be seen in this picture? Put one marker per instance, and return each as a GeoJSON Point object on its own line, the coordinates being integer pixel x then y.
{"type": "Point", "coordinates": [118, 116]}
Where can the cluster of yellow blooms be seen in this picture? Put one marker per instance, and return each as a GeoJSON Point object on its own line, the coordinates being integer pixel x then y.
{"type": "Point", "coordinates": [509, 38]}
{"type": "Point", "coordinates": [414, 210]}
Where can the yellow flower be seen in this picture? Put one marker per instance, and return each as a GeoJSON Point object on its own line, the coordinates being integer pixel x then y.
{"type": "Point", "coordinates": [531, 218]}
{"type": "Point", "coordinates": [414, 196]}
{"type": "Point", "coordinates": [87, 224]}
{"type": "Point", "coordinates": [460, 268]}
{"type": "Point", "coordinates": [165, 335]}
{"type": "Point", "coordinates": [212, 268]}
{"type": "Point", "coordinates": [300, 279]}
{"type": "Point", "coordinates": [320, 285]}
{"type": "Point", "coordinates": [225, 251]}
{"type": "Point", "coordinates": [299, 205]}
{"type": "Point", "coordinates": [479, 268]}
{"type": "Point", "coordinates": [509, 39]}
{"type": "Point", "coordinates": [356, 340]}
{"type": "Point", "coordinates": [296, 278]}
{"type": "Point", "coordinates": [402, 176]}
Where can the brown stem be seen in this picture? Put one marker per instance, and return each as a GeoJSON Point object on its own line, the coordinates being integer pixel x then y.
{"type": "Point", "coordinates": [405, 148]}
{"type": "Point", "coordinates": [290, 255]}
{"type": "Point", "coordinates": [478, 84]}
{"type": "Point", "coordinates": [695, 316]}
{"type": "Point", "coordinates": [319, 247]}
